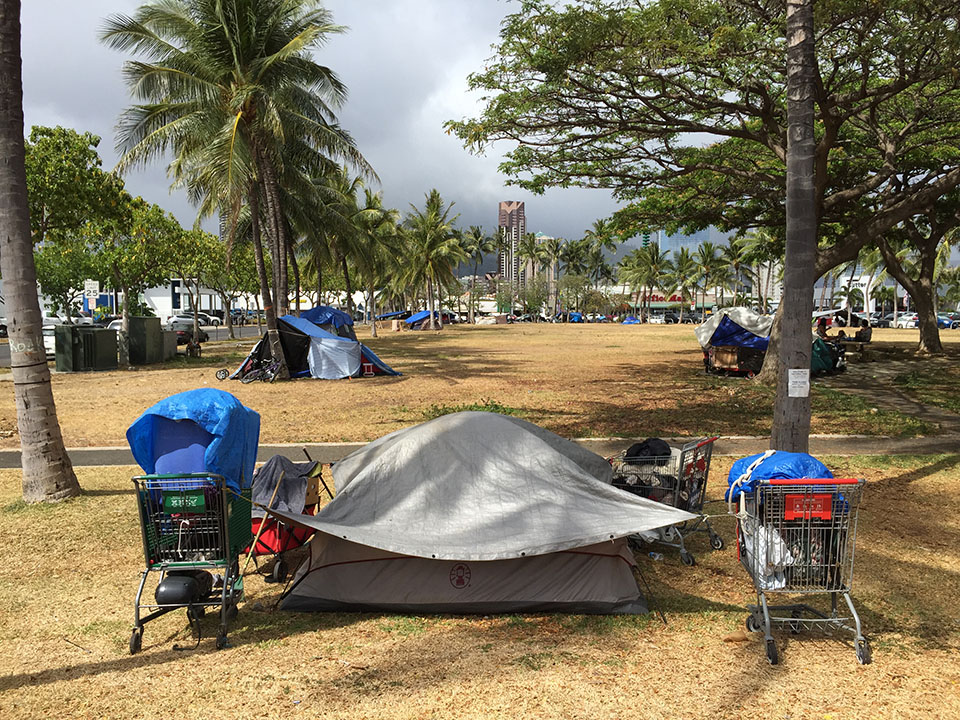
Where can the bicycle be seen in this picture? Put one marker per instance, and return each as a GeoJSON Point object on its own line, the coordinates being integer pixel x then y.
{"type": "Point", "coordinates": [264, 373]}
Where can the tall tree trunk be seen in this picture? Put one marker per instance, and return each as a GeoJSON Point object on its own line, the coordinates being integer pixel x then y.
{"type": "Point", "coordinates": [227, 315]}
{"type": "Point", "coordinates": [372, 307]}
{"type": "Point", "coordinates": [123, 336]}
{"type": "Point", "coordinates": [823, 294]}
{"type": "Point", "coordinates": [791, 412]}
{"type": "Point", "coordinates": [273, 335]}
{"type": "Point", "coordinates": [346, 281]}
{"type": "Point", "coordinates": [896, 302]}
{"type": "Point", "coordinates": [296, 280]}
{"type": "Point", "coordinates": [430, 307]}
{"type": "Point", "coordinates": [47, 472]}
{"type": "Point", "coordinates": [853, 271]}
{"type": "Point", "coordinates": [256, 302]}
{"type": "Point", "coordinates": [920, 289]}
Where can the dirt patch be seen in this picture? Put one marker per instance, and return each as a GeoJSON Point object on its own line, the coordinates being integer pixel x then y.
{"type": "Point", "coordinates": [70, 577]}
{"type": "Point", "coordinates": [577, 380]}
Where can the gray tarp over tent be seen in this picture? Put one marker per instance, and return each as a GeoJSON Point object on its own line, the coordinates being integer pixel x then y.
{"type": "Point", "coordinates": [474, 512]}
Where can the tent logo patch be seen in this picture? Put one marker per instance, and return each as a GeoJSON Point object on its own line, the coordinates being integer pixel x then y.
{"type": "Point", "coordinates": [460, 575]}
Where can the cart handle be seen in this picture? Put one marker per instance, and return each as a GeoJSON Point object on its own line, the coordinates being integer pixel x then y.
{"type": "Point", "coordinates": [811, 481]}
{"type": "Point", "coordinates": [707, 441]}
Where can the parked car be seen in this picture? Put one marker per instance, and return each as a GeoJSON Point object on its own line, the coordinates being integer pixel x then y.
{"type": "Point", "coordinates": [50, 341]}
{"type": "Point", "coordinates": [202, 319]}
{"type": "Point", "coordinates": [183, 324]}
{"type": "Point", "coordinates": [946, 322]}
{"type": "Point", "coordinates": [907, 320]}
{"type": "Point", "coordinates": [185, 334]}
{"type": "Point", "coordinates": [3, 327]}
{"type": "Point", "coordinates": [115, 325]}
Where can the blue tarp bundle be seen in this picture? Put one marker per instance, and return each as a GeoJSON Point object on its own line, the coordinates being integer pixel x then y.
{"type": "Point", "coordinates": [730, 333]}
{"type": "Point", "coordinates": [220, 426]}
{"type": "Point", "coordinates": [324, 315]}
{"type": "Point", "coordinates": [786, 465]}
{"type": "Point", "coordinates": [631, 320]}
{"type": "Point", "coordinates": [576, 317]}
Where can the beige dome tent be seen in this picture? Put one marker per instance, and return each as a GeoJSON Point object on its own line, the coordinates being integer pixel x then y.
{"type": "Point", "coordinates": [474, 513]}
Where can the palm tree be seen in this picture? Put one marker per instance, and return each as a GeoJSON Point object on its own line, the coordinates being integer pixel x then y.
{"type": "Point", "coordinates": [659, 270]}
{"type": "Point", "coordinates": [530, 254]}
{"type": "Point", "coordinates": [47, 472]}
{"type": "Point", "coordinates": [230, 87]}
{"type": "Point", "coordinates": [375, 252]}
{"type": "Point", "coordinates": [707, 264]}
{"type": "Point", "coordinates": [683, 276]}
{"type": "Point", "coordinates": [552, 252]}
{"type": "Point", "coordinates": [435, 245]}
{"type": "Point", "coordinates": [475, 244]}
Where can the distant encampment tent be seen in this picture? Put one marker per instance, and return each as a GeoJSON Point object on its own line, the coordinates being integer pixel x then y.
{"type": "Point", "coordinates": [421, 320]}
{"type": "Point", "coordinates": [310, 351]}
{"type": "Point", "coordinates": [630, 320]}
{"type": "Point", "coordinates": [396, 315]}
{"type": "Point", "coordinates": [474, 512]}
{"type": "Point", "coordinates": [334, 321]}
{"type": "Point", "coordinates": [735, 327]}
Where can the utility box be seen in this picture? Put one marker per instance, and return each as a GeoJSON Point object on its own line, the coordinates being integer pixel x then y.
{"type": "Point", "coordinates": [146, 341]}
{"type": "Point", "coordinates": [169, 344]}
{"type": "Point", "coordinates": [80, 347]}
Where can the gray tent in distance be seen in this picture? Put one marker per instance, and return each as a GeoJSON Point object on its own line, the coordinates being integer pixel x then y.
{"type": "Point", "coordinates": [474, 512]}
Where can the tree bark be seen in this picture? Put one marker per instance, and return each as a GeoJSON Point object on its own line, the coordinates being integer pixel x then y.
{"type": "Point", "coordinates": [921, 289]}
{"type": "Point", "coordinates": [346, 281]}
{"type": "Point", "coordinates": [273, 335]}
{"type": "Point", "coordinates": [47, 471]}
{"type": "Point", "coordinates": [791, 412]}
{"type": "Point", "coordinates": [372, 308]}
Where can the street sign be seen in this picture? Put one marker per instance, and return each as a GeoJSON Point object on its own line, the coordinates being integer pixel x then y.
{"type": "Point", "coordinates": [91, 289]}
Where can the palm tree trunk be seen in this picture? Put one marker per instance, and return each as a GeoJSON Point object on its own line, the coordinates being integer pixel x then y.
{"type": "Point", "coordinates": [296, 280]}
{"type": "Point", "coordinates": [372, 307]}
{"type": "Point", "coordinates": [791, 412]}
{"type": "Point", "coordinates": [346, 280]}
{"type": "Point", "coordinates": [47, 472]}
{"type": "Point", "coordinates": [273, 335]}
{"type": "Point", "coordinates": [430, 307]}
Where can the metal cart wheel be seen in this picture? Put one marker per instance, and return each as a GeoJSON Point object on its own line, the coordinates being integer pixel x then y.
{"type": "Point", "coordinates": [221, 640]}
{"type": "Point", "coordinates": [279, 572]}
{"type": "Point", "coordinates": [864, 656]}
{"type": "Point", "coordinates": [752, 624]}
{"type": "Point", "coordinates": [716, 542]}
{"type": "Point", "coordinates": [222, 374]}
{"type": "Point", "coordinates": [687, 559]}
{"type": "Point", "coordinates": [772, 656]}
{"type": "Point", "coordinates": [136, 640]}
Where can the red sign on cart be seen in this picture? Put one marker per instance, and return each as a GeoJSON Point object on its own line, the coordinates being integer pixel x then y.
{"type": "Point", "coordinates": [807, 506]}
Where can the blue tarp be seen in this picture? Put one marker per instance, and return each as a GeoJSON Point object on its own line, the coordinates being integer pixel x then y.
{"type": "Point", "coordinates": [631, 320]}
{"type": "Point", "coordinates": [730, 333]}
{"type": "Point", "coordinates": [576, 317]}
{"type": "Point", "coordinates": [324, 315]}
{"type": "Point", "coordinates": [371, 357]}
{"type": "Point", "coordinates": [422, 315]}
{"type": "Point", "coordinates": [391, 315]}
{"type": "Point", "coordinates": [308, 327]}
{"type": "Point", "coordinates": [230, 432]}
{"type": "Point", "coordinates": [780, 464]}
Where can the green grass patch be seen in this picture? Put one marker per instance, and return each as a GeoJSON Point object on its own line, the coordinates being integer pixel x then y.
{"type": "Point", "coordinates": [406, 625]}
{"type": "Point", "coordinates": [862, 418]}
{"type": "Point", "coordinates": [494, 406]}
{"type": "Point", "coordinates": [939, 386]}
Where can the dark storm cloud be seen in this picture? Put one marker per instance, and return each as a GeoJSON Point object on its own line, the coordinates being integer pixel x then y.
{"type": "Point", "coordinates": [405, 63]}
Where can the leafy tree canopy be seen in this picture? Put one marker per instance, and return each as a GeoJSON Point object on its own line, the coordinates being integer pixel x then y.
{"type": "Point", "coordinates": [679, 107]}
{"type": "Point", "coordinates": [65, 185]}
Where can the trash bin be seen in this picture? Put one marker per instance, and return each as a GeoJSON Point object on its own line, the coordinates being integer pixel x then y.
{"type": "Point", "coordinates": [80, 347]}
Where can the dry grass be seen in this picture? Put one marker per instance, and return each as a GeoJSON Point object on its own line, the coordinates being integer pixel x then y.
{"type": "Point", "coordinates": [577, 380]}
{"type": "Point", "coordinates": [70, 576]}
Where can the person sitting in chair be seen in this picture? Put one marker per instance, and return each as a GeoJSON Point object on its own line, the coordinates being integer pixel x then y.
{"type": "Point", "coordinates": [865, 333]}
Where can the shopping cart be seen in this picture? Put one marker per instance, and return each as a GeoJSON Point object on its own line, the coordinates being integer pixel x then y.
{"type": "Point", "coordinates": [678, 480]}
{"type": "Point", "coordinates": [797, 536]}
{"type": "Point", "coordinates": [191, 524]}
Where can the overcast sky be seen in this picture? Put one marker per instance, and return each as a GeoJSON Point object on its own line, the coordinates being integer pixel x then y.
{"type": "Point", "coordinates": [405, 63]}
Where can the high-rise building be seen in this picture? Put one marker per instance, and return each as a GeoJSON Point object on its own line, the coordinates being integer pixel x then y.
{"type": "Point", "coordinates": [512, 224]}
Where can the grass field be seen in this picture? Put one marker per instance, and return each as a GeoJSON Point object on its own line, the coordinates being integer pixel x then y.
{"type": "Point", "coordinates": [577, 380]}
{"type": "Point", "coordinates": [70, 575]}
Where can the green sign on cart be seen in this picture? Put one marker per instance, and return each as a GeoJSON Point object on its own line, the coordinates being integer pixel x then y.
{"type": "Point", "coordinates": [184, 502]}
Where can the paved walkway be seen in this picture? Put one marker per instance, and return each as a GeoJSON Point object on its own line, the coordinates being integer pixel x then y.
{"type": "Point", "coordinates": [733, 446]}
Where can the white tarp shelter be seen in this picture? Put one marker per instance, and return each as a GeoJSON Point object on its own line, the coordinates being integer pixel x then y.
{"type": "Point", "coordinates": [474, 513]}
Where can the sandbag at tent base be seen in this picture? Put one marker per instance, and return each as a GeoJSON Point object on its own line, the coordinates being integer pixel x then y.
{"type": "Point", "coordinates": [342, 576]}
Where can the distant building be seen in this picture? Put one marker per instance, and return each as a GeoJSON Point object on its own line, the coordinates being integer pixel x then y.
{"type": "Point", "coordinates": [512, 224]}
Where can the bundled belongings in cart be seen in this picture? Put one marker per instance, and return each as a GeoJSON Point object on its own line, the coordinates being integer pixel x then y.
{"type": "Point", "coordinates": [198, 450]}
{"type": "Point", "coordinates": [281, 484]}
{"type": "Point", "coordinates": [474, 512]}
{"type": "Point", "coordinates": [673, 476]}
{"type": "Point", "coordinates": [336, 322]}
{"type": "Point", "coordinates": [310, 351]}
{"type": "Point", "coordinates": [734, 340]}
{"type": "Point", "coordinates": [796, 531]}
